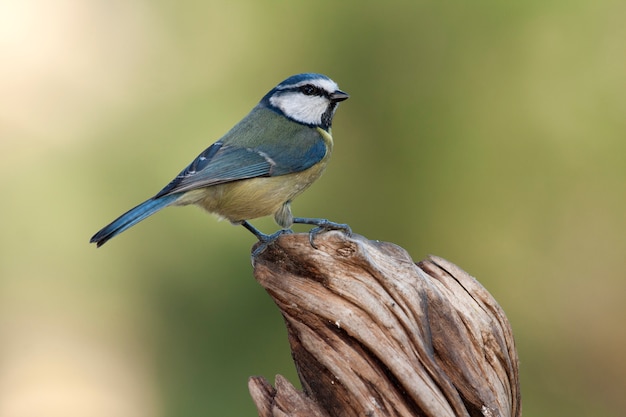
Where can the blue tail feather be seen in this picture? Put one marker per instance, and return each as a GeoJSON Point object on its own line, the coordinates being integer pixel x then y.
{"type": "Point", "coordinates": [132, 217]}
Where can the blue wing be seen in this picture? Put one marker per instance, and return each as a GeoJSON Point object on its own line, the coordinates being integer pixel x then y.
{"type": "Point", "coordinates": [222, 163]}
{"type": "Point", "coordinates": [219, 164]}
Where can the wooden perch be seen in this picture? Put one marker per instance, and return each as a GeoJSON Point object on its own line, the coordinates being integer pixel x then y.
{"type": "Point", "coordinates": [374, 334]}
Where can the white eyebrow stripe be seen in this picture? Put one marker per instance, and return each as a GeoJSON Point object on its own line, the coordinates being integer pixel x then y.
{"type": "Point", "coordinates": [327, 85]}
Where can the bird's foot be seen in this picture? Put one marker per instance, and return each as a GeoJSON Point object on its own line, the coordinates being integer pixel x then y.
{"type": "Point", "coordinates": [323, 225]}
{"type": "Point", "coordinates": [264, 239]}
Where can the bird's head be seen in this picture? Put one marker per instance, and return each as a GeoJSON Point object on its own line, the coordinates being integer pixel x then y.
{"type": "Point", "coordinates": [309, 99]}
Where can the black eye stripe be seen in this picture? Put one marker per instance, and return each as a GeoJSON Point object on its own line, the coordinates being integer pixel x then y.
{"type": "Point", "coordinates": [311, 90]}
{"type": "Point", "coordinates": [306, 89]}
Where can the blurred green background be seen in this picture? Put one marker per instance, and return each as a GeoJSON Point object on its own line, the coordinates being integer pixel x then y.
{"type": "Point", "coordinates": [489, 133]}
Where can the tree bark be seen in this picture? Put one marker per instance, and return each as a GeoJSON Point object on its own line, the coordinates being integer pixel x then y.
{"type": "Point", "coordinates": [374, 334]}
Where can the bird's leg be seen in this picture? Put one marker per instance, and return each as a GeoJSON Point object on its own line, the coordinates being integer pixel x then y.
{"type": "Point", "coordinates": [264, 239]}
{"type": "Point", "coordinates": [322, 226]}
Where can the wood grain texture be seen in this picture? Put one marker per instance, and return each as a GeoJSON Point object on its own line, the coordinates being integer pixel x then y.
{"type": "Point", "coordinates": [372, 333]}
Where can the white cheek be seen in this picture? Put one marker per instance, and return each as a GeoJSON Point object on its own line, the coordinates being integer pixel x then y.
{"type": "Point", "coordinates": [305, 109]}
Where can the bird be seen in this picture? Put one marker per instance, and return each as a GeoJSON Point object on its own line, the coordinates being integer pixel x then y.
{"type": "Point", "coordinates": [259, 166]}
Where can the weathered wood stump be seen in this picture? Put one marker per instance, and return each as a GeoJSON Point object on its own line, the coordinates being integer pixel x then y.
{"type": "Point", "coordinates": [374, 334]}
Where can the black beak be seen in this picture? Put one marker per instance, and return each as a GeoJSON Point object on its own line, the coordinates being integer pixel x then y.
{"type": "Point", "coordinates": [338, 96]}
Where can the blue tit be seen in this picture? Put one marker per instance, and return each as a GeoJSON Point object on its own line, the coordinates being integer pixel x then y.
{"type": "Point", "coordinates": [258, 167]}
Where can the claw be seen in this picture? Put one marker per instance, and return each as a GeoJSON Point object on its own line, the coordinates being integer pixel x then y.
{"type": "Point", "coordinates": [323, 225]}
{"type": "Point", "coordinates": [264, 239]}
{"type": "Point", "coordinates": [267, 240]}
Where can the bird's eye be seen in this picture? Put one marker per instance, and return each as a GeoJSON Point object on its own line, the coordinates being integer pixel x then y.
{"type": "Point", "coordinates": [308, 89]}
